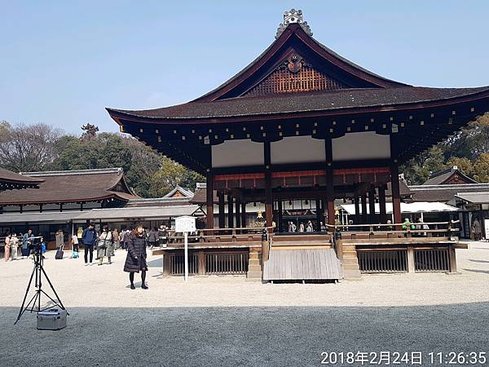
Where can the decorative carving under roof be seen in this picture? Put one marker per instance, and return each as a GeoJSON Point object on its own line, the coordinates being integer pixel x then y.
{"type": "Point", "coordinates": [293, 16]}
{"type": "Point", "coordinates": [295, 75]}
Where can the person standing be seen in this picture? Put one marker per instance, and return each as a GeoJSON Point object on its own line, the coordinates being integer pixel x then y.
{"type": "Point", "coordinates": [74, 243]}
{"type": "Point", "coordinates": [89, 237]}
{"type": "Point", "coordinates": [136, 256]}
{"type": "Point", "coordinates": [8, 236]}
{"type": "Point", "coordinates": [116, 239]}
{"type": "Point", "coordinates": [60, 239]}
{"type": "Point", "coordinates": [153, 237]}
{"type": "Point", "coordinates": [105, 246]}
{"type": "Point", "coordinates": [26, 243]}
{"type": "Point", "coordinates": [477, 230]}
{"type": "Point", "coordinates": [310, 227]}
{"type": "Point", "coordinates": [14, 245]}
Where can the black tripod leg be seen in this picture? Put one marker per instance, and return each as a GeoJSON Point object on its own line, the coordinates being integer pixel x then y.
{"type": "Point", "coordinates": [22, 309]}
{"type": "Point", "coordinates": [54, 290]}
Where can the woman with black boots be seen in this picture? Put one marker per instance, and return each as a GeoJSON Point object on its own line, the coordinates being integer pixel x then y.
{"type": "Point", "coordinates": [136, 256]}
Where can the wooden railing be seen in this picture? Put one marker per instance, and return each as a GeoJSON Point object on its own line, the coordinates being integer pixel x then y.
{"type": "Point", "coordinates": [396, 230]}
{"type": "Point", "coordinates": [219, 235]}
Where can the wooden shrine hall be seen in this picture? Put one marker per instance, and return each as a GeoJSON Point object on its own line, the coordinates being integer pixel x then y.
{"type": "Point", "coordinates": [303, 124]}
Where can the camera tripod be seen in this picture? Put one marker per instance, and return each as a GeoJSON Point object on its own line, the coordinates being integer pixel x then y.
{"type": "Point", "coordinates": [34, 305]}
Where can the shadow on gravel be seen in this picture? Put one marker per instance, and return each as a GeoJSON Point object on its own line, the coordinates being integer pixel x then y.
{"type": "Point", "coordinates": [240, 336]}
{"type": "Point", "coordinates": [477, 271]}
{"type": "Point", "coordinates": [480, 261]}
{"type": "Point", "coordinates": [156, 263]}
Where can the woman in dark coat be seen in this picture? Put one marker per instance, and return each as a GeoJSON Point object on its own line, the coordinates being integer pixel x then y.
{"type": "Point", "coordinates": [136, 256]}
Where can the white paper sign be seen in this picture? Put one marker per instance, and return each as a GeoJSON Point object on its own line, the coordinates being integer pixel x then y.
{"type": "Point", "coordinates": [486, 226]}
{"type": "Point", "coordinates": [185, 224]}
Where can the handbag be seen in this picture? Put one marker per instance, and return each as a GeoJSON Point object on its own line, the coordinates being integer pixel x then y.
{"type": "Point", "coordinates": [103, 243]}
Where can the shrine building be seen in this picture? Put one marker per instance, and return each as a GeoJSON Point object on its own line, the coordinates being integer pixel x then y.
{"type": "Point", "coordinates": [301, 124]}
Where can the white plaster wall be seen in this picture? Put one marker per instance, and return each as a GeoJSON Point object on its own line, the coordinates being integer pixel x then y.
{"type": "Point", "coordinates": [360, 146]}
{"type": "Point", "coordinates": [234, 153]}
{"type": "Point", "coordinates": [298, 149]}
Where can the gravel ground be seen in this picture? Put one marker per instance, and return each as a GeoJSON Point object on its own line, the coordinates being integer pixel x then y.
{"type": "Point", "coordinates": [229, 321]}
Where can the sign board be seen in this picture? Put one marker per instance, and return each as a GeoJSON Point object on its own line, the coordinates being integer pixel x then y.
{"type": "Point", "coordinates": [185, 224]}
{"type": "Point", "coordinates": [486, 227]}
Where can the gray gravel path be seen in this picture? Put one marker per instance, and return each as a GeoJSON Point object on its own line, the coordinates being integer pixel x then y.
{"type": "Point", "coordinates": [228, 321]}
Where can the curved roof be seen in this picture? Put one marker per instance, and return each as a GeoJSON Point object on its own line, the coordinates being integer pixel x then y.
{"type": "Point", "coordinates": [71, 187]}
{"type": "Point", "coordinates": [326, 102]}
{"type": "Point", "coordinates": [10, 180]}
{"type": "Point", "coordinates": [295, 82]}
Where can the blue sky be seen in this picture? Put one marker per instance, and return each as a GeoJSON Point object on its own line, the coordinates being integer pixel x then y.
{"type": "Point", "coordinates": [63, 62]}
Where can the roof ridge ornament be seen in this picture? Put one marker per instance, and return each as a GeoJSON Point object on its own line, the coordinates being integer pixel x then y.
{"type": "Point", "coordinates": [293, 16]}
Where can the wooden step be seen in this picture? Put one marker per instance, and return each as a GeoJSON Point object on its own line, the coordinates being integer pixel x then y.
{"type": "Point", "coordinates": [300, 247]}
{"type": "Point", "coordinates": [319, 264]}
{"type": "Point", "coordinates": [302, 237]}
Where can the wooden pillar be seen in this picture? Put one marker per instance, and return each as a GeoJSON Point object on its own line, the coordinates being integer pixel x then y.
{"type": "Point", "coordinates": [230, 211]}
{"type": "Point", "coordinates": [201, 263]}
{"type": "Point", "coordinates": [383, 208]}
{"type": "Point", "coordinates": [268, 185]}
{"type": "Point", "coordinates": [329, 181]}
{"type": "Point", "coordinates": [319, 210]}
{"type": "Point", "coordinates": [210, 200]}
{"type": "Point", "coordinates": [396, 194]}
{"type": "Point", "coordinates": [410, 260]}
{"type": "Point", "coordinates": [364, 209]}
{"type": "Point", "coordinates": [243, 215]}
{"type": "Point", "coordinates": [238, 213]}
{"type": "Point", "coordinates": [356, 200]}
{"type": "Point", "coordinates": [279, 217]}
{"type": "Point", "coordinates": [222, 215]}
{"type": "Point", "coordinates": [371, 205]}
{"type": "Point", "coordinates": [452, 259]}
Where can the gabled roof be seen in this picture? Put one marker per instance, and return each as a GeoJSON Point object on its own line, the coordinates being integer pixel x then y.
{"type": "Point", "coordinates": [10, 180]}
{"type": "Point", "coordinates": [71, 187]}
{"type": "Point", "coordinates": [449, 176]}
{"type": "Point", "coordinates": [294, 40]}
{"type": "Point", "coordinates": [179, 192]}
{"type": "Point", "coordinates": [200, 196]}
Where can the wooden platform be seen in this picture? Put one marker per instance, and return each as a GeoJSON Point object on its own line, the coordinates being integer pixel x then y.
{"type": "Point", "coordinates": [302, 264]}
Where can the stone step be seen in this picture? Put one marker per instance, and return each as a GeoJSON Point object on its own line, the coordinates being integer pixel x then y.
{"type": "Point", "coordinates": [352, 275]}
{"type": "Point", "coordinates": [350, 260]}
{"type": "Point", "coordinates": [350, 267]}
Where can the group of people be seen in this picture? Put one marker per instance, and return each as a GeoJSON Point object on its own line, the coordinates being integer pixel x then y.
{"type": "Point", "coordinates": [23, 242]}
{"type": "Point", "coordinates": [308, 227]}
{"type": "Point", "coordinates": [105, 242]}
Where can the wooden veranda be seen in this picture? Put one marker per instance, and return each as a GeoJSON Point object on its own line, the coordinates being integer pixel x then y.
{"type": "Point", "coordinates": [341, 251]}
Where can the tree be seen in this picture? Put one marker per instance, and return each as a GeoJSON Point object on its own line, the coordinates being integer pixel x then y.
{"type": "Point", "coordinates": [463, 149]}
{"type": "Point", "coordinates": [27, 147]}
{"type": "Point", "coordinates": [481, 168]}
{"type": "Point", "coordinates": [419, 169]}
{"type": "Point", "coordinates": [170, 175]}
{"type": "Point", "coordinates": [107, 150]}
{"type": "Point", "coordinates": [463, 164]}
{"type": "Point", "coordinates": [89, 132]}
